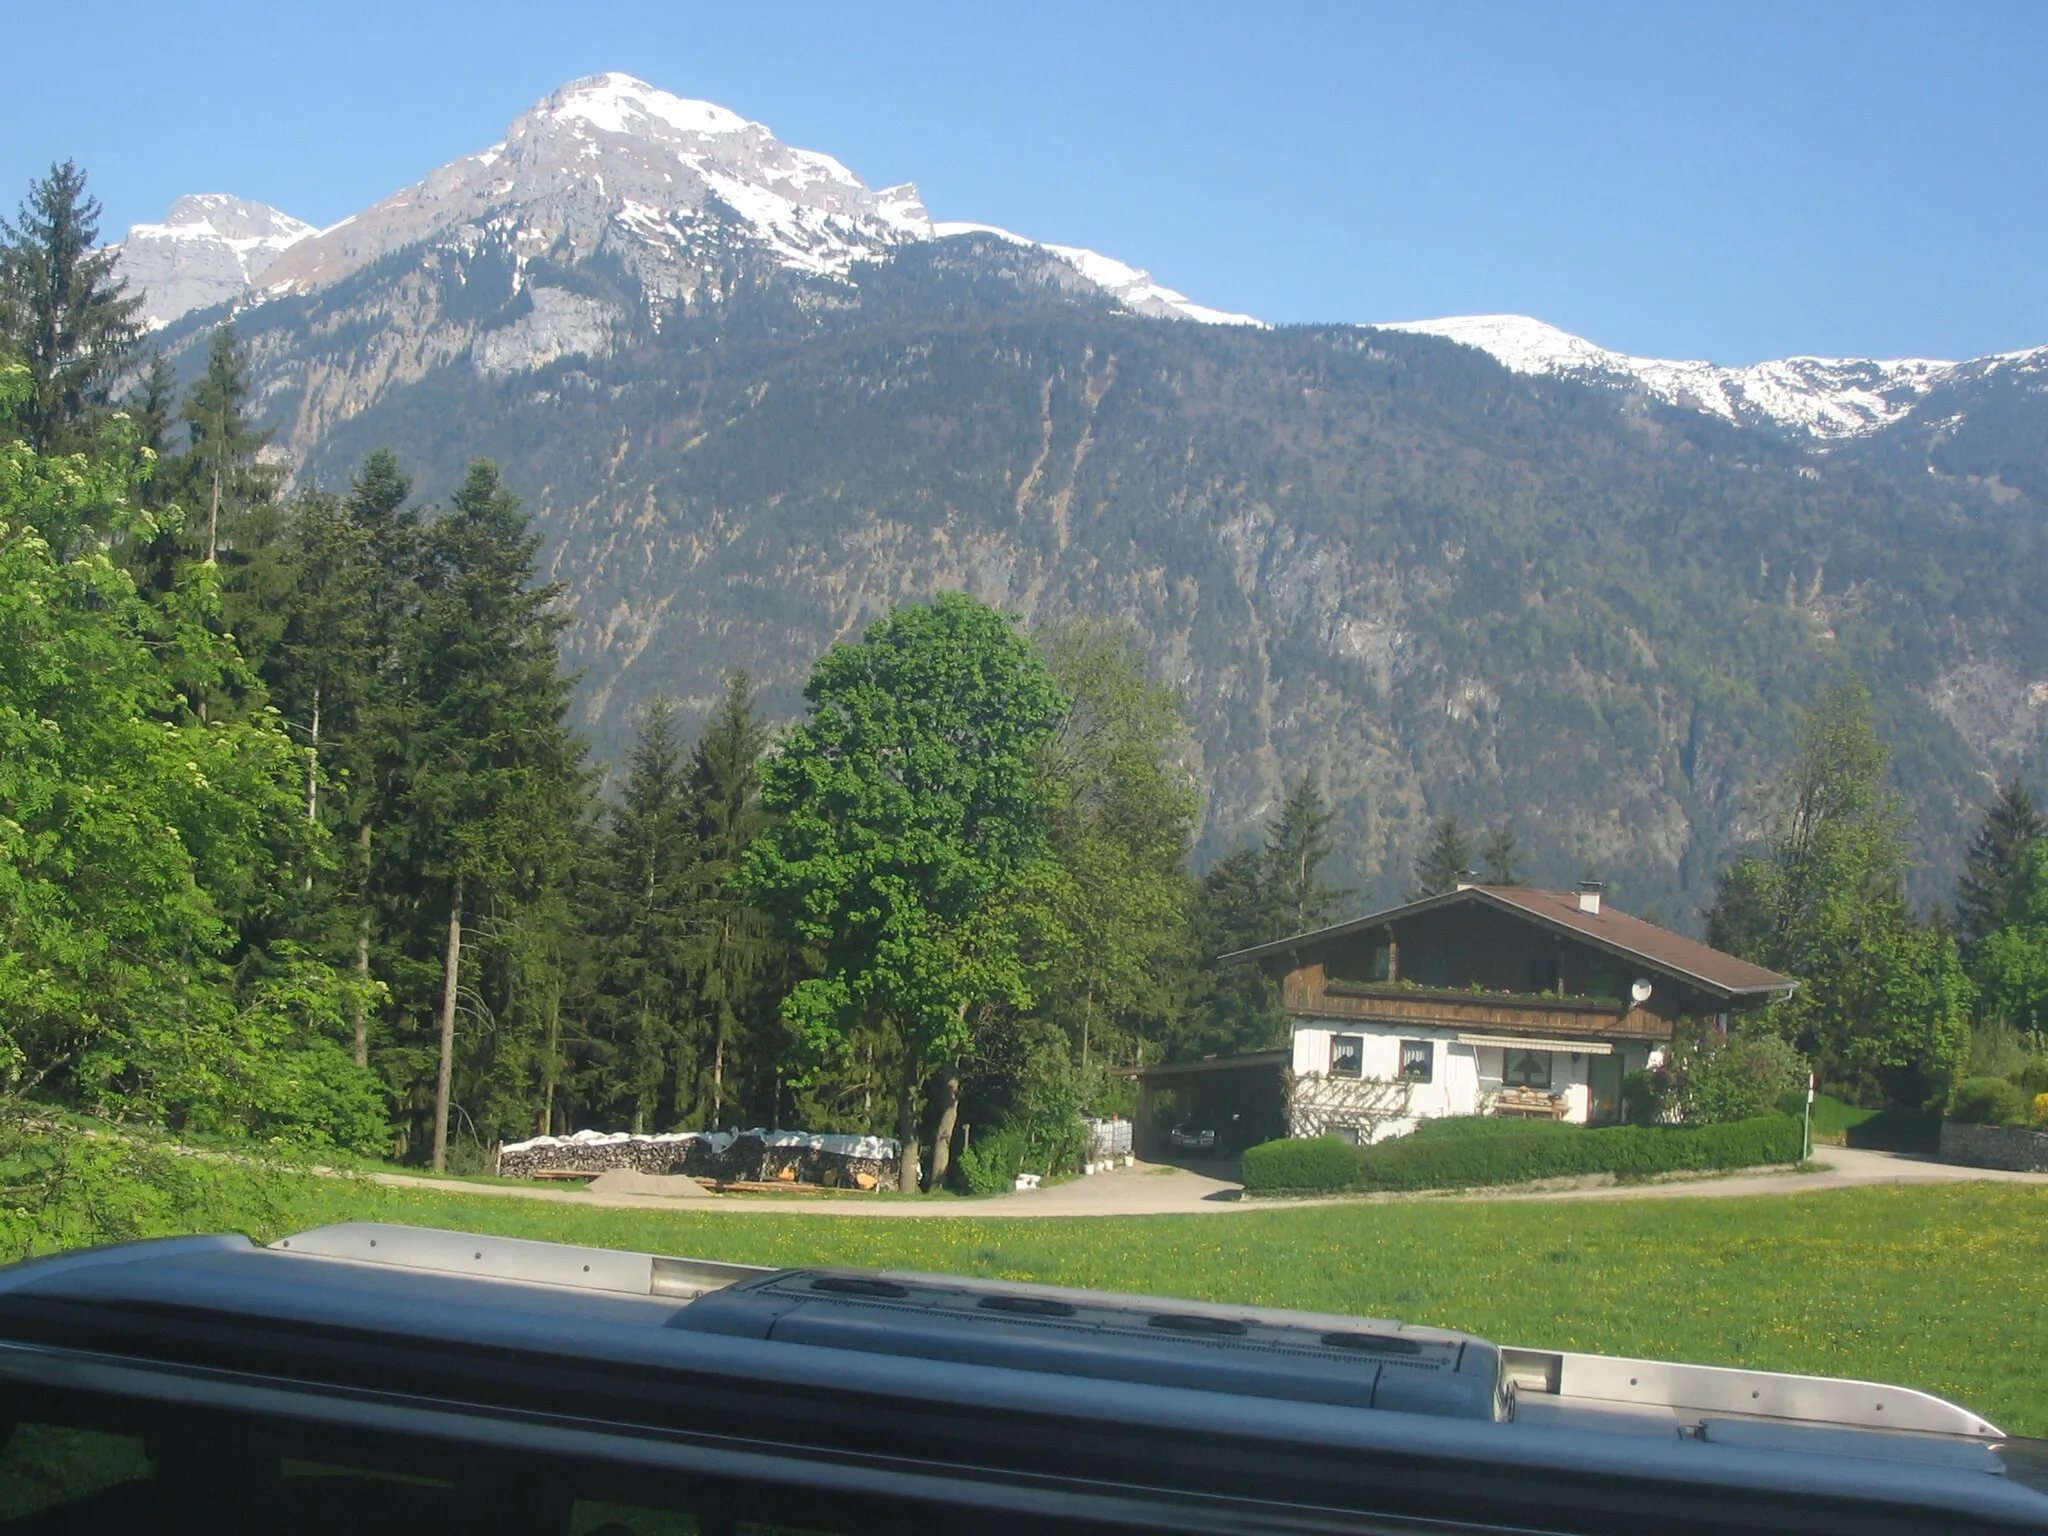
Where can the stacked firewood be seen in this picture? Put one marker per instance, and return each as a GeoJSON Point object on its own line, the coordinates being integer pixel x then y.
{"type": "Point", "coordinates": [726, 1157]}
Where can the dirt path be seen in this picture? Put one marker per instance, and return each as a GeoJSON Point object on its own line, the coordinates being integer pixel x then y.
{"type": "Point", "coordinates": [1156, 1189]}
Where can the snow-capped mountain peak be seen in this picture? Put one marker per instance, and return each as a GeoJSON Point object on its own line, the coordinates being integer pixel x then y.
{"type": "Point", "coordinates": [618, 103]}
{"type": "Point", "coordinates": [208, 250]}
{"type": "Point", "coordinates": [1825, 397]}
{"type": "Point", "coordinates": [670, 185]}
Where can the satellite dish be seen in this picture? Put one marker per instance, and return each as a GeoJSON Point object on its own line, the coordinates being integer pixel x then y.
{"type": "Point", "coordinates": [1639, 993]}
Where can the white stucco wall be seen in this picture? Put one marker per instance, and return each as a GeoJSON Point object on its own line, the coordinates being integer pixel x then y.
{"type": "Point", "coordinates": [1464, 1074]}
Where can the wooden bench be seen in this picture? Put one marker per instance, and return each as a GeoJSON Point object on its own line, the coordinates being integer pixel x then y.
{"type": "Point", "coordinates": [1530, 1104]}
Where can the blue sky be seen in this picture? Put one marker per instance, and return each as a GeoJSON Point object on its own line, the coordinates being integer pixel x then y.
{"type": "Point", "coordinates": [1733, 181]}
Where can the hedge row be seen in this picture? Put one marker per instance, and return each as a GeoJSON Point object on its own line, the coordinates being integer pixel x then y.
{"type": "Point", "coordinates": [1470, 1159]}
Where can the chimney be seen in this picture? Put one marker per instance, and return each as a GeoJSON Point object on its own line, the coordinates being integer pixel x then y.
{"type": "Point", "coordinates": [1589, 897]}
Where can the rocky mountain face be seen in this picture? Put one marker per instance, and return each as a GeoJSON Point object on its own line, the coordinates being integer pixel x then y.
{"type": "Point", "coordinates": [210, 249]}
{"type": "Point", "coordinates": [753, 403]}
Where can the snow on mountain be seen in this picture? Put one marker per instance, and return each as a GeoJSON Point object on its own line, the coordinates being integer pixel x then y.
{"type": "Point", "coordinates": [209, 249]}
{"type": "Point", "coordinates": [1827, 398]}
{"type": "Point", "coordinates": [664, 180]}
{"type": "Point", "coordinates": [1133, 287]}
{"type": "Point", "coordinates": [667, 184]}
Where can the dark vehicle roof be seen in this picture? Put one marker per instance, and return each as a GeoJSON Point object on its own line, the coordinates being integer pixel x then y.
{"type": "Point", "coordinates": [1189, 1400]}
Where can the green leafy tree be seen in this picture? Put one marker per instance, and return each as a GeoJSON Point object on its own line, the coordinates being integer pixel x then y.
{"type": "Point", "coordinates": [1997, 879]}
{"type": "Point", "coordinates": [1120, 810]}
{"type": "Point", "coordinates": [64, 313]}
{"type": "Point", "coordinates": [907, 811]}
{"type": "Point", "coordinates": [1883, 1004]}
{"type": "Point", "coordinates": [492, 776]}
{"type": "Point", "coordinates": [1446, 859]}
{"type": "Point", "coordinates": [2011, 961]}
{"type": "Point", "coordinates": [141, 846]}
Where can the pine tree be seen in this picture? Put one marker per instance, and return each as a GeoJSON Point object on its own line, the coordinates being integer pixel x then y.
{"type": "Point", "coordinates": [492, 775]}
{"type": "Point", "coordinates": [1446, 859]}
{"type": "Point", "coordinates": [1297, 843]}
{"type": "Point", "coordinates": [154, 406]}
{"type": "Point", "coordinates": [1997, 875]}
{"type": "Point", "coordinates": [1497, 859]}
{"type": "Point", "coordinates": [640, 896]}
{"type": "Point", "coordinates": [221, 477]}
{"type": "Point", "coordinates": [1230, 1008]}
{"type": "Point", "coordinates": [63, 311]}
{"type": "Point", "coordinates": [734, 941]}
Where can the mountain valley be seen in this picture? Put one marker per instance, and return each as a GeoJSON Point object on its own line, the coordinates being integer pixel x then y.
{"type": "Point", "coordinates": [1474, 565]}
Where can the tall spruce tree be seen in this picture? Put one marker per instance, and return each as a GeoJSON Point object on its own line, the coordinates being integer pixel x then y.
{"type": "Point", "coordinates": [1230, 1008]}
{"type": "Point", "coordinates": [640, 895]}
{"type": "Point", "coordinates": [1499, 858]}
{"type": "Point", "coordinates": [154, 406]}
{"type": "Point", "coordinates": [221, 478]}
{"type": "Point", "coordinates": [492, 775]}
{"type": "Point", "coordinates": [64, 313]}
{"type": "Point", "coordinates": [1445, 862]}
{"type": "Point", "coordinates": [734, 942]}
{"type": "Point", "coordinates": [1997, 878]}
{"type": "Point", "coordinates": [1297, 843]}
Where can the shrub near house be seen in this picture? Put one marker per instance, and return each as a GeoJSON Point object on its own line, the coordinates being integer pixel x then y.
{"type": "Point", "coordinates": [1475, 1153]}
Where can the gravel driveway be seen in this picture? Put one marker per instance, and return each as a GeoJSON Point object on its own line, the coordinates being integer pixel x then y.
{"type": "Point", "coordinates": [1159, 1189]}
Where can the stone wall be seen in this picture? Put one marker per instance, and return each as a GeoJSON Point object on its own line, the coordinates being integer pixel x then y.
{"type": "Point", "coordinates": [2012, 1147]}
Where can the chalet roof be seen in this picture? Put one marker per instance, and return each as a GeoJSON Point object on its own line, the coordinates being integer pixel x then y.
{"type": "Point", "coordinates": [1652, 947]}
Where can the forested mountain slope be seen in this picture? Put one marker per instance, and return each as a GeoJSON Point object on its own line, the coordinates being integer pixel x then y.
{"type": "Point", "coordinates": [1438, 584]}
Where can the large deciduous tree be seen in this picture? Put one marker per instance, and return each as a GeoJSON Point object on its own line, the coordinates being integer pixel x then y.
{"type": "Point", "coordinates": [1120, 807]}
{"type": "Point", "coordinates": [141, 846]}
{"type": "Point", "coordinates": [1883, 1004]}
{"type": "Point", "coordinates": [907, 810]}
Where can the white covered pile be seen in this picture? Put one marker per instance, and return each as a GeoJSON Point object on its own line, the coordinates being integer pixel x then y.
{"type": "Point", "coordinates": [730, 1157]}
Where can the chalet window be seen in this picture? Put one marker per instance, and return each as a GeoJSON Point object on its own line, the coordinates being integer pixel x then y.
{"type": "Point", "coordinates": [1418, 1060]}
{"type": "Point", "coordinates": [1543, 972]}
{"type": "Point", "coordinates": [1527, 1069]}
{"type": "Point", "coordinates": [1382, 962]}
{"type": "Point", "coordinates": [1347, 1056]}
{"type": "Point", "coordinates": [1433, 965]}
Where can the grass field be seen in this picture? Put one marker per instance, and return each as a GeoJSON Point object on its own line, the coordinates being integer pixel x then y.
{"type": "Point", "coordinates": [1939, 1287]}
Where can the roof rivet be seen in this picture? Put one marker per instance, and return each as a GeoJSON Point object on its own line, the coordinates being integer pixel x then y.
{"type": "Point", "coordinates": [479, 1255]}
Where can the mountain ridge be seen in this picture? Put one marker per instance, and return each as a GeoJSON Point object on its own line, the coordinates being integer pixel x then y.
{"type": "Point", "coordinates": [812, 214]}
{"type": "Point", "coordinates": [746, 429]}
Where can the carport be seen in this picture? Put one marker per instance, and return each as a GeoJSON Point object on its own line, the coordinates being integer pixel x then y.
{"type": "Point", "coordinates": [1210, 1091]}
